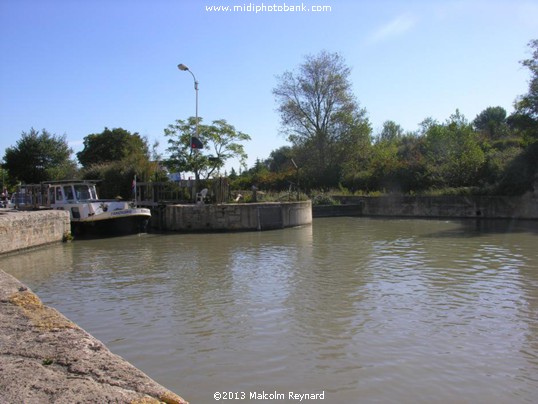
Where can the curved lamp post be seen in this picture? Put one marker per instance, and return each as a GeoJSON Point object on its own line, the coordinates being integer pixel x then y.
{"type": "Point", "coordinates": [184, 68]}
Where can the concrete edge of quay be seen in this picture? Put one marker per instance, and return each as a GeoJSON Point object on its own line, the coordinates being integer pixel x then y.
{"type": "Point", "coordinates": [45, 357]}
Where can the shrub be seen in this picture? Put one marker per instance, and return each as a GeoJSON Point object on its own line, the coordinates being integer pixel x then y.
{"type": "Point", "coordinates": [323, 199]}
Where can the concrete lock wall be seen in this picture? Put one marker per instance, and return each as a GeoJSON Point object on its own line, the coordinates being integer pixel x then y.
{"type": "Point", "coordinates": [21, 230]}
{"type": "Point", "coordinates": [236, 217]}
{"type": "Point", "coordinates": [520, 207]}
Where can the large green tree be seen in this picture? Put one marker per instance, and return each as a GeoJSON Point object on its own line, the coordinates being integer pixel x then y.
{"type": "Point", "coordinates": [528, 104]}
{"type": "Point", "coordinates": [521, 175]}
{"type": "Point", "coordinates": [116, 156]}
{"type": "Point", "coordinates": [39, 156]}
{"type": "Point", "coordinates": [112, 145]}
{"type": "Point", "coordinates": [390, 131]}
{"type": "Point", "coordinates": [281, 159]}
{"type": "Point", "coordinates": [320, 115]}
{"type": "Point", "coordinates": [454, 156]}
{"type": "Point", "coordinates": [492, 122]}
{"type": "Point", "coordinates": [525, 118]}
{"type": "Point", "coordinates": [221, 142]}
{"type": "Point", "coordinates": [500, 144]}
{"type": "Point", "coordinates": [511, 161]}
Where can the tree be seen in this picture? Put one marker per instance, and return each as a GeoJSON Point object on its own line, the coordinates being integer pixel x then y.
{"type": "Point", "coordinates": [280, 159]}
{"type": "Point", "coordinates": [318, 110]}
{"type": "Point", "coordinates": [413, 173]}
{"type": "Point", "coordinates": [355, 152]}
{"type": "Point", "coordinates": [528, 104]}
{"type": "Point", "coordinates": [39, 157]}
{"type": "Point", "coordinates": [520, 175]}
{"type": "Point", "coordinates": [115, 157]}
{"type": "Point", "coordinates": [220, 138]}
{"type": "Point", "coordinates": [492, 122]}
{"type": "Point", "coordinates": [385, 165]}
{"type": "Point", "coordinates": [454, 157]}
{"type": "Point", "coordinates": [390, 131]}
{"type": "Point", "coordinates": [524, 120]}
{"type": "Point", "coordinates": [112, 145]}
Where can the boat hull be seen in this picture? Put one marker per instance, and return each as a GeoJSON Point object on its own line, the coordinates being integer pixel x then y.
{"type": "Point", "coordinates": [117, 226]}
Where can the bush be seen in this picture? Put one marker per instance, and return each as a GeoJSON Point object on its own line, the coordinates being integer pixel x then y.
{"type": "Point", "coordinates": [521, 173]}
{"type": "Point", "coordinates": [116, 179]}
{"type": "Point", "coordinates": [270, 196]}
{"type": "Point", "coordinates": [324, 199]}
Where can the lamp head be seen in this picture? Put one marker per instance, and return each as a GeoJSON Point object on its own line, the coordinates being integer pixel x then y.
{"type": "Point", "coordinates": [181, 66]}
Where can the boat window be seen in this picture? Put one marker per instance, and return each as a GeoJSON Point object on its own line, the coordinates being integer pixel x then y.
{"type": "Point", "coordinates": [59, 196]}
{"type": "Point", "coordinates": [83, 192]}
{"type": "Point", "coordinates": [68, 191]}
{"type": "Point", "coordinates": [93, 192]}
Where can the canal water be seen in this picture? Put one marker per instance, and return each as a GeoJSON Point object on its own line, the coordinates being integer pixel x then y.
{"type": "Point", "coordinates": [359, 310]}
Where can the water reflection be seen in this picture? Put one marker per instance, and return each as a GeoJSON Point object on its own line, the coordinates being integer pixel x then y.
{"type": "Point", "coordinates": [384, 310]}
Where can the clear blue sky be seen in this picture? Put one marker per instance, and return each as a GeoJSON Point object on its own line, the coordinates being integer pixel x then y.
{"type": "Point", "coordinates": [75, 67]}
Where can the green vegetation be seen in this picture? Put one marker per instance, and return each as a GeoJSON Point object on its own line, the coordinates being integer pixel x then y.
{"type": "Point", "coordinates": [220, 138]}
{"type": "Point", "coordinates": [115, 157]}
{"type": "Point", "coordinates": [38, 157]}
{"type": "Point", "coordinates": [332, 147]}
{"type": "Point", "coordinates": [322, 120]}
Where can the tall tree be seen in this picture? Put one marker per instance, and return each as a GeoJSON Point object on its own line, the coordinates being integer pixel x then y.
{"type": "Point", "coordinates": [454, 156]}
{"type": "Point", "coordinates": [112, 145]}
{"type": "Point", "coordinates": [492, 122]}
{"type": "Point", "coordinates": [318, 111]}
{"type": "Point", "coordinates": [116, 156]}
{"type": "Point", "coordinates": [39, 157]}
{"type": "Point", "coordinates": [522, 173]}
{"type": "Point", "coordinates": [525, 118]}
{"type": "Point", "coordinates": [221, 139]}
{"type": "Point", "coordinates": [281, 159]}
{"type": "Point", "coordinates": [391, 131]}
{"type": "Point", "coordinates": [528, 104]}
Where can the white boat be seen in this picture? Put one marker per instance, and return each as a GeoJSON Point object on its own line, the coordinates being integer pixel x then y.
{"type": "Point", "coordinates": [93, 216]}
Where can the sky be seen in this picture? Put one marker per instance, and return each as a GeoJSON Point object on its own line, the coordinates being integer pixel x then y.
{"type": "Point", "coordinates": [75, 67]}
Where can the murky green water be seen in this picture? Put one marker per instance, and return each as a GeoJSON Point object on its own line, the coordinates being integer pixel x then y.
{"type": "Point", "coordinates": [364, 310]}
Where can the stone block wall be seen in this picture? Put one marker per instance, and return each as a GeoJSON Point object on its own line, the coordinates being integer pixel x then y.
{"type": "Point", "coordinates": [502, 207]}
{"type": "Point", "coordinates": [236, 217]}
{"type": "Point", "coordinates": [21, 230]}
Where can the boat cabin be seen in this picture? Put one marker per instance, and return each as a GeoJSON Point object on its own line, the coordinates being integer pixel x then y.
{"type": "Point", "coordinates": [71, 193]}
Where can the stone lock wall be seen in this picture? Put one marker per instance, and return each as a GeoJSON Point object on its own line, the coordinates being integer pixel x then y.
{"type": "Point", "coordinates": [498, 207]}
{"type": "Point", "coordinates": [236, 217]}
{"type": "Point", "coordinates": [21, 230]}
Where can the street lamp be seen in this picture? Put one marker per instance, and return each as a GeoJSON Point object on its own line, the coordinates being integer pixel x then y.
{"type": "Point", "coordinates": [184, 68]}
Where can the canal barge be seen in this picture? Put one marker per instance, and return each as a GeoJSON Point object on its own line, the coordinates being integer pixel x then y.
{"type": "Point", "coordinates": [92, 216]}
